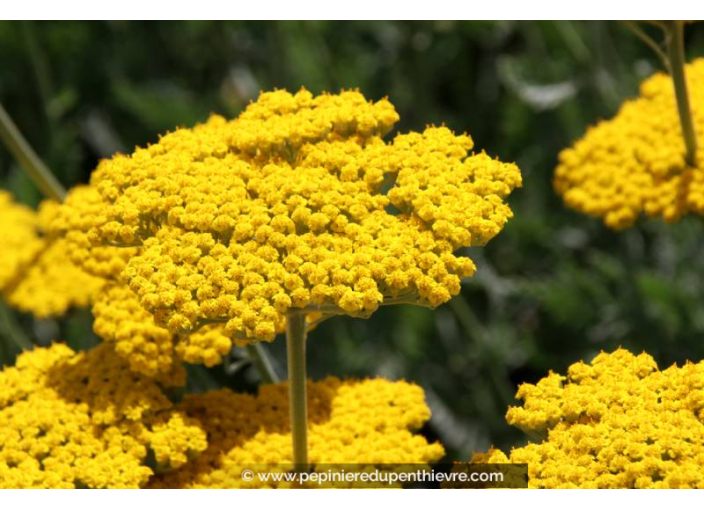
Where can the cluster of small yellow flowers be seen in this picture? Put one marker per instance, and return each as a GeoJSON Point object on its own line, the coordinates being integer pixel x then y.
{"type": "Point", "coordinates": [148, 348]}
{"type": "Point", "coordinates": [279, 123]}
{"type": "Point", "coordinates": [19, 242]}
{"type": "Point", "coordinates": [72, 420]}
{"type": "Point", "coordinates": [461, 199]}
{"type": "Point", "coordinates": [206, 346]}
{"type": "Point", "coordinates": [618, 422]}
{"type": "Point", "coordinates": [53, 284]}
{"type": "Point", "coordinates": [175, 439]}
{"type": "Point", "coordinates": [37, 274]}
{"type": "Point", "coordinates": [83, 207]}
{"type": "Point", "coordinates": [635, 163]}
{"type": "Point", "coordinates": [119, 318]}
{"type": "Point", "coordinates": [351, 422]}
{"type": "Point", "coordinates": [297, 203]}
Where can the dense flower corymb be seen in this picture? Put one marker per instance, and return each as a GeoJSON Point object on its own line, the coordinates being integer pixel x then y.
{"type": "Point", "coordinates": [296, 204]}
{"type": "Point", "coordinates": [119, 317]}
{"type": "Point", "coordinates": [36, 272]}
{"type": "Point", "coordinates": [352, 422]}
{"type": "Point", "coordinates": [617, 422]}
{"type": "Point", "coordinates": [72, 420]}
{"type": "Point", "coordinates": [634, 163]}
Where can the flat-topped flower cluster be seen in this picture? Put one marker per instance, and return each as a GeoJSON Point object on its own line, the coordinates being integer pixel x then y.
{"type": "Point", "coordinates": [617, 422]}
{"type": "Point", "coordinates": [84, 420]}
{"type": "Point", "coordinates": [634, 164]}
{"type": "Point", "coordinates": [297, 204]}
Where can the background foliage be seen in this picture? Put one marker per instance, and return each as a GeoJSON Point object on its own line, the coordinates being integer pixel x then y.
{"type": "Point", "coordinates": [553, 288]}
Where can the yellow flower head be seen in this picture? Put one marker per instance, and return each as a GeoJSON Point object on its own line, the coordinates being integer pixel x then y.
{"type": "Point", "coordinates": [351, 422]}
{"type": "Point", "coordinates": [635, 163]}
{"type": "Point", "coordinates": [37, 274]}
{"type": "Point", "coordinates": [296, 204]}
{"type": "Point", "coordinates": [617, 422]}
{"type": "Point", "coordinates": [72, 420]}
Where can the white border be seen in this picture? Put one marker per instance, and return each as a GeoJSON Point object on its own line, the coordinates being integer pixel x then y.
{"type": "Point", "coordinates": [316, 9]}
{"type": "Point", "coordinates": [374, 499]}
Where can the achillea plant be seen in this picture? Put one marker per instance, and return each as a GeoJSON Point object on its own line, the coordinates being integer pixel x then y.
{"type": "Point", "coordinates": [84, 420]}
{"type": "Point", "coordinates": [634, 164]}
{"type": "Point", "coordinates": [645, 160]}
{"type": "Point", "coordinates": [228, 234]}
{"type": "Point", "coordinates": [297, 204]}
{"type": "Point", "coordinates": [72, 420]}
{"type": "Point", "coordinates": [292, 213]}
{"type": "Point", "coordinates": [617, 422]}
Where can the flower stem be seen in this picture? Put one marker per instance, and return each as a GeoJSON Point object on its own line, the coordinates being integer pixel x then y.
{"type": "Point", "coordinates": [296, 347]}
{"type": "Point", "coordinates": [649, 41]}
{"type": "Point", "coordinates": [33, 165]}
{"type": "Point", "coordinates": [10, 328]}
{"type": "Point", "coordinates": [675, 51]}
{"type": "Point", "coordinates": [260, 359]}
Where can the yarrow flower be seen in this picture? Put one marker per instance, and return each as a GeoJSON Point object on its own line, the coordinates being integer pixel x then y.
{"type": "Point", "coordinates": [634, 164]}
{"type": "Point", "coordinates": [617, 422]}
{"type": "Point", "coordinates": [297, 204]}
{"type": "Point", "coordinates": [367, 422]}
{"type": "Point", "coordinates": [71, 420]}
{"type": "Point", "coordinates": [36, 274]}
{"type": "Point", "coordinates": [296, 210]}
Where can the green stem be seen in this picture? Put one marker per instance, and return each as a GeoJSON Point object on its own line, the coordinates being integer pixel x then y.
{"type": "Point", "coordinates": [260, 358]}
{"type": "Point", "coordinates": [39, 66]}
{"type": "Point", "coordinates": [9, 326]}
{"type": "Point", "coordinates": [649, 41]}
{"type": "Point", "coordinates": [675, 50]}
{"type": "Point", "coordinates": [23, 152]}
{"type": "Point", "coordinates": [296, 347]}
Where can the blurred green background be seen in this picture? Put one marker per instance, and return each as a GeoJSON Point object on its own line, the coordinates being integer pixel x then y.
{"type": "Point", "coordinates": [553, 288]}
